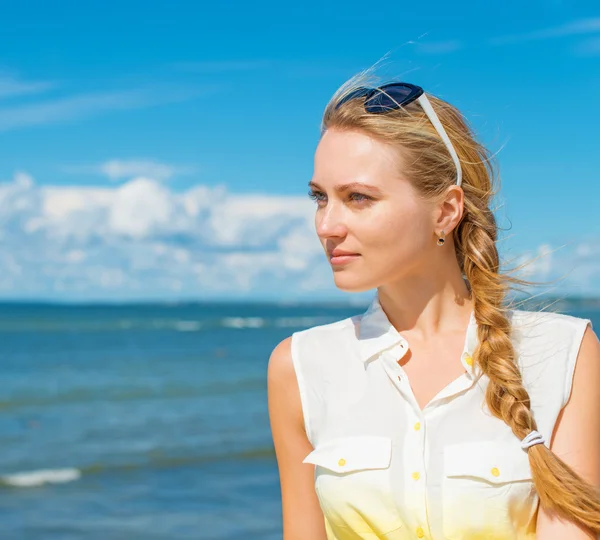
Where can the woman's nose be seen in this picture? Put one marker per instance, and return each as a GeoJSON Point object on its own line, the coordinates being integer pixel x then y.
{"type": "Point", "coordinates": [330, 223]}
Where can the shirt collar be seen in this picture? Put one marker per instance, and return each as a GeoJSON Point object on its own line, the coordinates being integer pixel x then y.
{"type": "Point", "coordinates": [376, 334]}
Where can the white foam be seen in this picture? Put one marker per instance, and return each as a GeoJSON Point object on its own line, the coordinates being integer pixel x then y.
{"type": "Point", "coordinates": [286, 322]}
{"type": "Point", "coordinates": [188, 326]}
{"type": "Point", "coordinates": [243, 322]}
{"type": "Point", "coordinates": [40, 477]}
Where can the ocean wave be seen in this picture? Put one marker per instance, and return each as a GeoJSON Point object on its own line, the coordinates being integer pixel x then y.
{"type": "Point", "coordinates": [187, 326]}
{"type": "Point", "coordinates": [279, 322]}
{"type": "Point", "coordinates": [287, 322]}
{"type": "Point", "coordinates": [177, 325]}
{"type": "Point", "coordinates": [40, 477]}
{"type": "Point", "coordinates": [109, 325]}
{"type": "Point", "coordinates": [243, 322]}
{"type": "Point", "coordinates": [111, 394]}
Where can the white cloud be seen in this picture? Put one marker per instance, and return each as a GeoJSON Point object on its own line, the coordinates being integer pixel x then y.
{"type": "Point", "coordinates": [79, 106]}
{"type": "Point", "coordinates": [141, 238]}
{"type": "Point", "coordinates": [118, 169]}
{"type": "Point", "coordinates": [588, 47]}
{"type": "Point", "coordinates": [253, 220]}
{"type": "Point", "coordinates": [573, 268]}
{"type": "Point", "coordinates": [140, 208]}
{"type": "Point", "coordinates": [11, 86]}
{"type": "Point", "coordinates": [574, 28]}
{"type": "Point", "coordinates": [75, 256]}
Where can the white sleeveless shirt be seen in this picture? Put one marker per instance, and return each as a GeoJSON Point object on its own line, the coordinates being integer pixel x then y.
{"type": "Point", "coordinates": [452, 471]}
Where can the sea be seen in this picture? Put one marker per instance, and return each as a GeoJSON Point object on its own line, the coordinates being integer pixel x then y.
{"type": "Point", "coordinates": [147, 421]}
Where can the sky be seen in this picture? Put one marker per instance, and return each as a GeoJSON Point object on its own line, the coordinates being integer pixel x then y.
{"type": "Point", "coordinates": [162, 150]}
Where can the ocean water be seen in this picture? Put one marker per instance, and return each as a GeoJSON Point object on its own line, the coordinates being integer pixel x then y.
{"type": "Point", "coordinates": [145, 421]}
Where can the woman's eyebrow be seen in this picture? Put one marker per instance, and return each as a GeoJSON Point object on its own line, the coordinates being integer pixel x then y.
{"type": "Point", "coordinates": [340, 188]}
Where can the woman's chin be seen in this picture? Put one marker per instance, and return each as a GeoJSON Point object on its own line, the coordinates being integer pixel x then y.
{"type": "Point", "coordinates": [351, 284]}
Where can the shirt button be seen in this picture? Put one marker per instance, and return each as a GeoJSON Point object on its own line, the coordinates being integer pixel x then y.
{"type": "Point", "coordinates": [342, 462]}
{"type": "Point", "coordinates": [416, 475]}
{"type": "Point", "coordinates": [420, 532]}
{"type": "Point", "coordinates": [417, 426]}
{"type": "Point", "coordinates": [495, 472]}
{"type": "Point", "coordinates": [468, 360]}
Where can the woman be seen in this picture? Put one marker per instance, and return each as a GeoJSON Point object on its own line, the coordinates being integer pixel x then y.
{"type": "Point", "coordinates": [440, 412]}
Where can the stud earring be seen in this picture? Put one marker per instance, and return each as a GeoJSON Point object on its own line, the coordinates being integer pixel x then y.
{"type": "Point", "coordinates": [441, 239]}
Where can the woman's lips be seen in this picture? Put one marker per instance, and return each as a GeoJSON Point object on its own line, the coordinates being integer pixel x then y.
{"type": "Point", "coordinates": [344, 259]}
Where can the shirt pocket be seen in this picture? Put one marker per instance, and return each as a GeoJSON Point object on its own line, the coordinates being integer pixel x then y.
{"type": "Point", "coordinates": [353, 483]}
{"type": "Point", "coordinates": [487, 489]}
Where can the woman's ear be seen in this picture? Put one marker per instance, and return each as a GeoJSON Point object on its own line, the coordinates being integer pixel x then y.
{"type": "Point", "coordinates": [450, 210]}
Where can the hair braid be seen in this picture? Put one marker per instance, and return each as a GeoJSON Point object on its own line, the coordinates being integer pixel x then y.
{"type": "Point", "coordinates": [559, 487]}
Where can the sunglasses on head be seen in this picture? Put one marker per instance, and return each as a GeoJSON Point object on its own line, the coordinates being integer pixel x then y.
{"type": "Point", "coordinates": [399, 94]}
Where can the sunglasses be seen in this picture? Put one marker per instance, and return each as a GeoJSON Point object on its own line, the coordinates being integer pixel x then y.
{"type": "Point", "coordinates": [398, 94]}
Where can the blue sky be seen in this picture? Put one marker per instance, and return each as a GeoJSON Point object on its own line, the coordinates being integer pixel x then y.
{"type": "Point", "coordinates": [162, 150]}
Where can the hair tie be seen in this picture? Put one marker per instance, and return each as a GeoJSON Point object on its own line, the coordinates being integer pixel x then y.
{"type": "Point", "coordinates": [534, 437]}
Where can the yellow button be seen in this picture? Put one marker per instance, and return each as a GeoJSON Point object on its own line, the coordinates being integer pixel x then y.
{"type": "Point", "coordinates": [416, 475]}
{"type": "Point", "coordinates": [420, 532]}
{"type": "Point", "coordinates": [495, 472]}
{"type": "Point", "coordinates": [469, 360]}
{"type": "Point", "coordinates": [342, 462]}
{"type": "Point", "coordinates": [417, 426]}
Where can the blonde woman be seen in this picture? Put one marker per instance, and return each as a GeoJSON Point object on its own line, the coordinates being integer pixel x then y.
{"type": "Point", "coordinates": [440, 412]}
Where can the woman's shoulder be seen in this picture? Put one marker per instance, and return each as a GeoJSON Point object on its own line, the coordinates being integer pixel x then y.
{"type": "Point", "coordinates": [547, 340]}
{"type": "Point", "coordinates": [547, 345]}
{"type": "Point", "coordinates": [337, 327]}
{"type": "Point", "coordinates": [546, 323]}
{"type": "Point", "coordinates": [324, 346]}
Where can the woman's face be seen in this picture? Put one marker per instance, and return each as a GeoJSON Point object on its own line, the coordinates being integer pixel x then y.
{"type": "Point", "coordinates": [380, 217]}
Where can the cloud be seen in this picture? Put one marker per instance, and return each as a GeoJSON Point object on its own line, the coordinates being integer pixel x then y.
{"type": "Point", "coordinates": [11, 86]}
{"type": "Point", "coordinates": [118, 169]}
{"type": "Point", "coordinates": [140, 208]}
{"type": "Point", "coordinates": [588, 47]}
{"type": "Point", "coordinates": [80, 106]}
{"type": "Point", "coordinates": [573, 267]}
{"type": "Point", "coordinates": [142, 239]}
{"type": "Point", "coordinates": [575, 28]}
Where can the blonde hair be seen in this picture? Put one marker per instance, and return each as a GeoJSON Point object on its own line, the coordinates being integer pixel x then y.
{"type": "Point", "coordinates": [429, 167]}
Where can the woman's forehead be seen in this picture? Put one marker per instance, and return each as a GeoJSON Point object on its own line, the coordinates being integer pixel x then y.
{"type": "Point", "coordinates": [349, 155]}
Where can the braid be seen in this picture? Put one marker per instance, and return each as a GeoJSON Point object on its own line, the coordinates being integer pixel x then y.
{"type": "Point", "coordinates": [559, 487]}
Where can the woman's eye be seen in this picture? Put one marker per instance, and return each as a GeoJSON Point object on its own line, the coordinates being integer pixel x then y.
{"type": "Point", "coordinates": [365, 197]}
{"type": "Point", "coordinates": [354, 197]}
{"type": "Point", "coordinates": [314, 195]}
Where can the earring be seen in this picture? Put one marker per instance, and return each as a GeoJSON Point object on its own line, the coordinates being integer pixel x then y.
{"type": "Point", "coordinates": [441, 239]}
